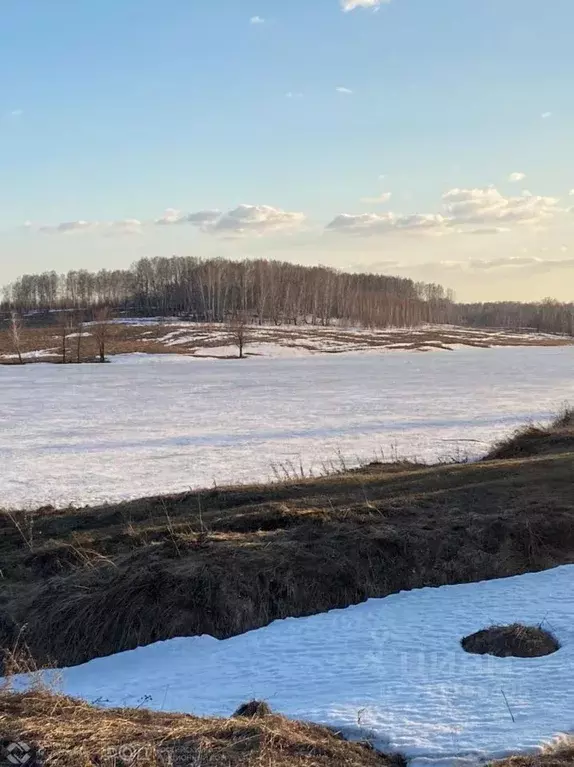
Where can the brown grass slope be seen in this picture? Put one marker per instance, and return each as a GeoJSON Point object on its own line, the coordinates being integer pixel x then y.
{"type": "Point", "coordinates": [538, 440]}
{"type": "Point", "coordinates": [562, 756]}
{"type": "Point", "coordinates": [74, 734]}
{"type": "Point", "coordinates": [78, 584]}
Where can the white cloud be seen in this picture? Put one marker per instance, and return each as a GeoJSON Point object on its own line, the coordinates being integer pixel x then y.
{"type": "Point", "coordinates": [571, 193]}
{"type": "Point", "coordinates": [256, 20]}
{"type": "Point", "coordinates": [255, 219]}
{"type": "Point", "coordinates": [514, 178]}
{"type": "Point", "coordinates": [68, 227]}
{"type": "Point", "coordinates": [375, 224]}
{"type": "Point", "coordinates": [537, 265]}
{"type": "Point", "coordinates": [465, 211]}
{"type": "Point", "coordinates": [109, 228]}
{"type": "Point", "coordinates": [488, 207]}
{"type": "Point", "coordinates": [380, 199]}
{"type": "Point", "coordinates": [345, 91]}
{"type": "Point", "coordinates": [16, 113]}
{"type": "Point", "coordinates": [546, 115]}
{"type": "Point", "coordinates": [351, 5]}
{"type": "Point", "coordinates": [171, 216]}
{"type": "Point", "coordinates": [200, 218]}
{"type": "Point", "coordinates": [294, 95]}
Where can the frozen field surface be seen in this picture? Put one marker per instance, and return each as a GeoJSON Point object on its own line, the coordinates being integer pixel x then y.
{"type": "Point", "coordinates": [146, 425]}
{"type": "Point", "coordinates": [391, 670]}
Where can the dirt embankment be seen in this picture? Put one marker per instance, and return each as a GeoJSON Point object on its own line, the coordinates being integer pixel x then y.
{"type": "Point", "coordinates": [79, 584]}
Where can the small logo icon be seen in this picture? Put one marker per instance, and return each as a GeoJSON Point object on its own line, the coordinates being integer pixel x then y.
{"type": "Point", "coordinates": [19, 753]}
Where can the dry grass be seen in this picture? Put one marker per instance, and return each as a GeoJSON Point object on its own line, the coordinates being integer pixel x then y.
{"type": "Point", "coordinates": [96, 581]}
{"type": "Point", "coordinates": [514, 641]}
{"type": "Point", "coordinates": [556, 756]}
{"type": "Point", "coordinates": [70, 733]}
{"type": "Point", "coordinates": [538, 440]}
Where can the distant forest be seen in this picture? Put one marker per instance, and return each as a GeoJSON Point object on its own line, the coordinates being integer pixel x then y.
{"type": "Point", "coordinates": [274, 292]}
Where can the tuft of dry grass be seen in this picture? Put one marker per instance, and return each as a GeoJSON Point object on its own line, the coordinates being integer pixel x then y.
{"type": "Point", "coordinates": [515, 641]}
{"type": "Point", "coordinates": [254, 709]}
{"type": "Point", "coordinates": [68, 733]}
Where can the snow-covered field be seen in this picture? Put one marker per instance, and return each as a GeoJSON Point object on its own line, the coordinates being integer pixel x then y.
{"type": "Point", "coordinates": [391, 670]}
{"type": "Point", "coordinates": [146, 425]}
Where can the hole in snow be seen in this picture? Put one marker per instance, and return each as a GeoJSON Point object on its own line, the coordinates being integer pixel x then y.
{"type": "Point", "coordinates": [514, 641]}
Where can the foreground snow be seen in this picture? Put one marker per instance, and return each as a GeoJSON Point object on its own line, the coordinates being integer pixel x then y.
{"type": "Point", "coordinates": [390, 669]}
{"type": "Point", "coordinates": [147, 425]}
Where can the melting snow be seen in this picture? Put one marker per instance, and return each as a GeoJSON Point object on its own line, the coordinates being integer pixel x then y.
{"type": "Point", "coordinates": [391, 670]}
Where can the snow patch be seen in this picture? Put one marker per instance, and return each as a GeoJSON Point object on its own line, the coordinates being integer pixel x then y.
{"type": "Point", "coordinates": [392, 670]}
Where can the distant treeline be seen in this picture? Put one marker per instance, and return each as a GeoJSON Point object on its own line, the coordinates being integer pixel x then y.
{"type": "Point", "coordinates": [271, 292]}
{"type": "Point", "coordinates": [547, 316]}
{"type": "Point", "coordinates": [217, 290]}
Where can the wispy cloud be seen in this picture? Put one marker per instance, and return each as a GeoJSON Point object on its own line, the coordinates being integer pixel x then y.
{"type": "Point", "coordinates": [381, 198]}
{"type": "Point", "coordinates": [294, 95]}
{"type": "Point", "coordinates": [16, 113]}
{"type": "Point", "coordinates": [109, 228]}
{"type": "Point", "coordinates": [375, 224]}
{"type": "Point", "coordinates": [344, 91]}
{"type": "Point", "coordinates": [514, 178]}
{"type": "Point", "coordinates": [200, 218]}
{"type": "Point", "coordinates": [546, 115]}
{"type": "Point", "coordinates": [256, 20]}
{"type": "Point", "coordinates": [351, 5]}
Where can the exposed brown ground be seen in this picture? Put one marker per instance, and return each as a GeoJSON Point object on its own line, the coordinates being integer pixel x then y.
{"type": "Point", "coordinates": [191, 337]}
{"type": "Point", "coordinates": [91, 582]}
{"type": "Point", "coordinates": [74, 734]}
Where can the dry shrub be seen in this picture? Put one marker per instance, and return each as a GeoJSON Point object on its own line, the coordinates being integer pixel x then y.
{"type": "Point", "coordinates": [515, 641]}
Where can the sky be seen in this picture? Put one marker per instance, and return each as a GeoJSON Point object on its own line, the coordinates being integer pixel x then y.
{"type": "Point", "coordinates": [426, 138]}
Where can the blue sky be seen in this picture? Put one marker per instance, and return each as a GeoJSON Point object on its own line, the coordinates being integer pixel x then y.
{"type": "Point", "coordinates": [112, 112]}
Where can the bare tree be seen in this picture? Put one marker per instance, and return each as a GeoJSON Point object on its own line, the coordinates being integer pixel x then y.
{"type": "Point", "coordinates": [239, 332]}
{"type": "Point", "coordinates": [65, 327]}
{"type": "Point", "coordinates": [16, 325]}
{"type": "Point", "coordinates": [101, 331]}
{"type": "Point", "coordinates": [79, 330]}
